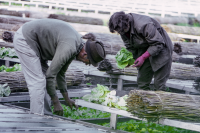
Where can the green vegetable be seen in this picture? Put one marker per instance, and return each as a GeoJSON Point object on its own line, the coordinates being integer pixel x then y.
{"type": "Point", "coordinates": [97, 95]}
{"type": "Point", "coordinates": [124, 58]}
{"type": "Point", "coordinates": [7, 52]}
{"type": "Point", "coordinates": [88, 84]}
{"type": "Point", "coordinates": [102, 95]}
{"type": "Point", "coordinates": [145, 127]}
{"type": "Point", "coordinates": [83, 113]}
{"type": "Point", "coordinates": [4, 90]}
{"type": "Point", "coordinates": [16, 67]}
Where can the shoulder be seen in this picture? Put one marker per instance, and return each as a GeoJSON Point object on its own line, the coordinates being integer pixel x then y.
{"type": "Point", "coordinates": [140, 21]}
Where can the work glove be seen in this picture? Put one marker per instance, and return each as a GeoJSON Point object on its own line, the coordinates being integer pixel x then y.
{"type": "Point", "coordinates": [58, 110]}
{"type": "Point", "coordinates": [140, 60]}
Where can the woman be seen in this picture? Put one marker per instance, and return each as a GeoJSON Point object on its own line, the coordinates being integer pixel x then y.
{"type": "Point", "coordinates": [150, 45]}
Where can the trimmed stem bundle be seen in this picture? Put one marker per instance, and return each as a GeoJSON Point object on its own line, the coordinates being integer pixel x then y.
{"type": "Point", "coordinates": [154, 105]}
{"type": "Point", "coordinates": [182, 29]}
{"type": "Point", "coordinates": [178, 70]}
{"type": "Point", "coordinates": [112, 42]}
{"type": "Point", "coordinates": [187, 48]}
{"type": "Point", "coordinates": [16, 80]}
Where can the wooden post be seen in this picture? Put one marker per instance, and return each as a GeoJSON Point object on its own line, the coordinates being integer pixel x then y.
{"type": "Point", "coordinates": [120, 84]}
{"type": "Point", "coordinates": [113, 121]}
{"type": "Point", "coordinates": [7, 63]}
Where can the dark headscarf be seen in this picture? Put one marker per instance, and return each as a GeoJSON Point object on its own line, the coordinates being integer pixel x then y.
{"type": "Point", "coordinates": [118, 22]}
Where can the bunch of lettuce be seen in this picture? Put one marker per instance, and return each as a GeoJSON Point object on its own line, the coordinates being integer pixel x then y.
{"type": "Point", "coordinates": [114, 101]}
{"type": "Point", "coordinates": [102, 95]}
{"type": "Point", "coordinates": [97, 95]}
{"type": "Point", "coordinates": [124, 58]}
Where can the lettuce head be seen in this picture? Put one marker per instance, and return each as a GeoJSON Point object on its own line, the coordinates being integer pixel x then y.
{"type": "Point", "coordinates": [124, 58]}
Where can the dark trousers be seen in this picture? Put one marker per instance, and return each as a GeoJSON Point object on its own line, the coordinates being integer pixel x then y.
{"type": "Point", "coordinates": [145, 75]}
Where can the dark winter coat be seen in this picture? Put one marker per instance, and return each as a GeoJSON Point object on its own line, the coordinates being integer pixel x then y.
{"type": "Point", "coordinates": [146, 34]}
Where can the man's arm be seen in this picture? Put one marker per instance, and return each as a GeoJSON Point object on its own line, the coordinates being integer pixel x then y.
{"type": "Point", "coordinates": [62, 85]}
{"type": "Point", "coordinates": [154, 39]}
{"type": "Point", "coordinates": [63, 54]}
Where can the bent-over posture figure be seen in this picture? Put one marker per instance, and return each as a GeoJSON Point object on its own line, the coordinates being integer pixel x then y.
{"type": "Point", "coordinates": [38, 41]}
{"type": "Point", "coordinates": [150, 45]}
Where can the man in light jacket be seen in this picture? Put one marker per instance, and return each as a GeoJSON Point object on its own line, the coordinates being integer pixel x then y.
{"type": "Point", "coordinates": [38, 41]}
{"type": "Point", "coordinates": [150, 45]}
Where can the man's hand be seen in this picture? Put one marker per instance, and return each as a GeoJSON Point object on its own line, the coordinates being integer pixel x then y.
{"type": "Point", "coordinates": [70, 102]}
{"type": "Point", "coordinates": [58, 110]}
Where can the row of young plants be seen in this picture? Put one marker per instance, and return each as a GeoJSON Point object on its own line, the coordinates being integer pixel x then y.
{"type": "Point", "coordinates": [130, 126]}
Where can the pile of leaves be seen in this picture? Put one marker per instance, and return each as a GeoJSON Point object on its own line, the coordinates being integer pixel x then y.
{"type": "Point", "coordinates": [7, 52]}
{"type": "Point", "coordinates": [83, 113]}
{"type": "Point", "coordinates": [4, 90]}
{"type": "Point", "coordinates": [124, 58]}
{"type": "Point", "coordinates": [102, 95]}
{"type": "Point", "coordinates": [146, 127]}
{"type": "Point", "coordinates": [16, 67]}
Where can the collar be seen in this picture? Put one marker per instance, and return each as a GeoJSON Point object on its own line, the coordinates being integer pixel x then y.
{"type": "Point", "coordinates": [79, 50]}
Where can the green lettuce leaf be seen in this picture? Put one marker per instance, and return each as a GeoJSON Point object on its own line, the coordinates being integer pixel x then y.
{"type": "Point", "coordinates": [124, 58]}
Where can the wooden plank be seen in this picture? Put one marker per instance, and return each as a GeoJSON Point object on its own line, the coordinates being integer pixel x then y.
{"type": "Point", "coordinates": [25, 96]}
{"type": "Point", "coordinates": [113, 121]}
{"type": "Point", "coordinates": [11, 59]}
{"type": "Point", "coordinates": [179, 124]}
{"type": "Point", "coordinates": [186, 85]}
{"type": "Point", "coordinates": [175, 123]}
{"type": "Point", "coordinates": [2, 105]}
{"type": "Point", "coordinates": [11, 125]}
{"type": "Point", "coordinates": [36, 123]}
{"type": "Point", "coordinates": [105, 108]}
{"type": "Point", "coordinates": [8, 110]}
{"type": "Point", "coordinates": [47, 131]}
{"type": "Point", "coordinates": [31, 120]}
{"type": "Point", "coordinates": [15, 98]}
{"type": "Point", "coordinates": [120, 84]}
{"type": "Point", "coordinates": [18, 115]}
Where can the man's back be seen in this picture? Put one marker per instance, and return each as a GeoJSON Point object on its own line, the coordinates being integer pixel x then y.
{"type": "Point", "coordinates": [45, 35]}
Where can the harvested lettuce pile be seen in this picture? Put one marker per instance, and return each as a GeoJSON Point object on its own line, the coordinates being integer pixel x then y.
{"type": "Point", "coordinates": [124, 58]}
{"type": "Point", "coordinates": [102, 95]}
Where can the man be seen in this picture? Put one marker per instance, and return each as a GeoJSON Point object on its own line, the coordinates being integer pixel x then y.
{"type": "Point", "coordinates": [150, 45]}
{"type": "Point", "coordinates": [38, 41]}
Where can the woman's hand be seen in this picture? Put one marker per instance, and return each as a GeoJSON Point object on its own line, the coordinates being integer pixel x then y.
{"type": "Point", "coordinates": [140, 60]}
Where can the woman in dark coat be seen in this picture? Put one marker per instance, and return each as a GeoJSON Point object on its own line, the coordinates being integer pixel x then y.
{"type": "Point", "coordinates": [150, 45]}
